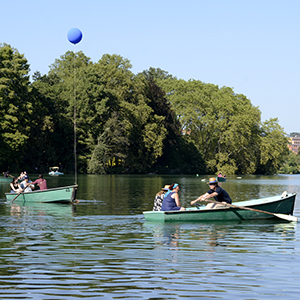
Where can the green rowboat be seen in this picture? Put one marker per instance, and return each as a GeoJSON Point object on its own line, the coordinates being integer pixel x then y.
{"type": "Point", "coordinates": [63, 194]}
{"type": "Point", "coordinates": [221, 179]}
{"type": "Point", "coordinates": [277, 204]}
{"type": "Point", "coordinates": [5, 179]}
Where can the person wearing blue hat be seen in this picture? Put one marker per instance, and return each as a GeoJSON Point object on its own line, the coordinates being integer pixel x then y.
{"type": "Point", "coordinates": [216, 192]}
{"type": "Point", "coordinates": [171, 199]}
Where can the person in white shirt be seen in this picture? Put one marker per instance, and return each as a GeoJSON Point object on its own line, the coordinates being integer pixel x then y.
{"type": "Point", "coordinates": [26, 185]}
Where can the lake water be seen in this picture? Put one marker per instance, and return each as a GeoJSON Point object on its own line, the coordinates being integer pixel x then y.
{"type": "Point", "coordinates": [102, 248]}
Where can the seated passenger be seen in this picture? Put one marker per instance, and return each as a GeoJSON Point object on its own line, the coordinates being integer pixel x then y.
{"type": "Point", "coordinates": [41, 182]}
{"type": "Point", "coordinates": [159, 198]}
{"type": "Point", "coordinates": [171, 199]}
{"type": "Point", "coordinates": [14, 186]}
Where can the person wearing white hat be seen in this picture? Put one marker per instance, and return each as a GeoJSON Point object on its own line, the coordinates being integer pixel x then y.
{"type": "Point", "coordinates": [216, 192]}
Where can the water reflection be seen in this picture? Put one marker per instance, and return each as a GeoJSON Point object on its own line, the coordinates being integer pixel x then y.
{"type": "Point", "coordinates": [236, 237]}
{"type": "Point", "coordinates": [164, 234]}
{"type": "Point", "coordinates": [51, 209]}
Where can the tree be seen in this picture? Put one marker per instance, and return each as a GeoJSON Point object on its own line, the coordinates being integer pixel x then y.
{"type": "Point", "coordinates": [179, 156]}
{"type": "Point", "coordinates": [156, 74]}
{"type": "Point", "coordinates": [292, 165]}
{"type": "Point", "coordinates": [221, 124]}
{"type": "Point", "coordinates": [273, 147]}
{"type": "Point", "coordinates": [129, 132]}
{"type": "Point", "coordinates": [51, 133]}
{"type": "Point", "coordinates": [15, 105]}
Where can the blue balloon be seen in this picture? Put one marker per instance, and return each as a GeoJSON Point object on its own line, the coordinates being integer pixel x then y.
{"type": "Point", "coordinates": [74, 35]}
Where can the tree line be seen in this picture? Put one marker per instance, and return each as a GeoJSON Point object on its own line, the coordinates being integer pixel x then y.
{"type": "Point", "coordinates": [150, 122]}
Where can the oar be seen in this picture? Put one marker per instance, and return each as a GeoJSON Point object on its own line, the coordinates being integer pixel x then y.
{"type": "Point", "coordinates": [281, 216]}
{"type": "Point", "coordinates": [18, 194]}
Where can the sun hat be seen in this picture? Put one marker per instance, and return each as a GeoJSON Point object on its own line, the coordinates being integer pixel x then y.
{"type": "Point", "coordinates": [212, 180]}
{"type": "Point", "coordinates": [166, 188]}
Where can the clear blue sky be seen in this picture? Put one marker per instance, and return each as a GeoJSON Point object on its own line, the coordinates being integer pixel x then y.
{"type": "Point", "coordinates": [249, 45]}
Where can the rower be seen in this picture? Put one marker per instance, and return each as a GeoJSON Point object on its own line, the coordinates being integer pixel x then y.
{"type": "Point", "coordinates": [216, 192]}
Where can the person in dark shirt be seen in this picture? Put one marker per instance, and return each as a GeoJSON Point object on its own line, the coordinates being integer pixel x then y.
{"type": "Point", "coordinates": [216, 192]}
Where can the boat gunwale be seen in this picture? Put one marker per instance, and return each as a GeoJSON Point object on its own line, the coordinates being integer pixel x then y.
{"type": "Point", "coordinates": [47, 190]}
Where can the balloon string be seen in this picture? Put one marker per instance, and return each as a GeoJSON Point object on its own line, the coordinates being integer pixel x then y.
{"type": "Point", "coordinates": [75, 154]}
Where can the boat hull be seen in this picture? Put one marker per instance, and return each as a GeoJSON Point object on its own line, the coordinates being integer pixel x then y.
{"type": "Point", "coordinates": [55, 173]}
{"type": "Point", "coordinates": [221, 179]}
{"type": "Point", "coordinates": [201, 214]}
{"type": "Point", "coordinates": [5, 179]}
{"type": "Point", "coordinates": [58, 195]}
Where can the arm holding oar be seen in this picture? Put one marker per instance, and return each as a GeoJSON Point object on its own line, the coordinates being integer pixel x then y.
{"type": "Point", "coordinates": [216, 192]}
{"type": "Point", "coordinates": [281, 216]}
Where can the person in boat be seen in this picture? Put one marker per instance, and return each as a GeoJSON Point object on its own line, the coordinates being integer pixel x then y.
{"type": "Point", "coordinates": [216, 192]}
{"type": "Point", "coordinates": [15, 186]}
{"type": "Point", "coordinates": [220, 174]}
{"type": "Point", "coordinates": [159, 198]}
{"type": "Point", "coordinates": [22, 176]}
{"type": "Point", "coordinates": [171, 199]}
{"type": "Point", "coordinates": [6, 174]}
{"type": "Point", "coordinates": [41, 182]}
{"type": "Point", "coordinates": [26, 185]}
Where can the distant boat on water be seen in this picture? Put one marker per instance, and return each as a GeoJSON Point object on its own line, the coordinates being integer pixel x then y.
{"type": "Point", "coordinates": [65, 194]}
{"type": "Point", "coordinates": [54, 171]}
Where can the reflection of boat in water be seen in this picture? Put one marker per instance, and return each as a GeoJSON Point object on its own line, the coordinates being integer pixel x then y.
{"type": "Point", "coordinates": [36, 208]}
{"type": "Point", "coordinates": [54, 171]}
{"type": "Point", "coordinates": [63, 194]}
{"type": "Point", "coordinates": [164, 234]}
{"type": "Point", "coordinates": [277, 204]}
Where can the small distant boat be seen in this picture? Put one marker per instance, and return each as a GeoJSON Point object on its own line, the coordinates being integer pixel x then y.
{"type": "Point", "coordinates": [63, 194]}
{"type": "Point", "coordinates": [221, 179]}
{"type": "Point", "coordinates": [54, 171]}
{"type": "Point", "coordinates": [283, 204]}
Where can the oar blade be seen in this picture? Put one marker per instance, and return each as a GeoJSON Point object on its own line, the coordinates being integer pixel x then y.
{"type": "Point", "coordinates": [287, 217]}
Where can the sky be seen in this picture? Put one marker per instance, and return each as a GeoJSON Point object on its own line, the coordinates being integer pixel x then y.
{"type": "Point", "coordinates": [251, 46]}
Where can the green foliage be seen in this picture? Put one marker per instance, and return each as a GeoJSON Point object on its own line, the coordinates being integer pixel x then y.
{"type": "Point", "coordinates": [149, 122]}
{"type": "Point", "coordinates": [222, 125]}
{"type": "Point", "coordinates": [273, 147]}
{"type": "Point", "coordinates": [292, 165]}
{"type": "Point", "coordinates": [51, 134]}
{"type": "Point", "coordinates": [15, 105]}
